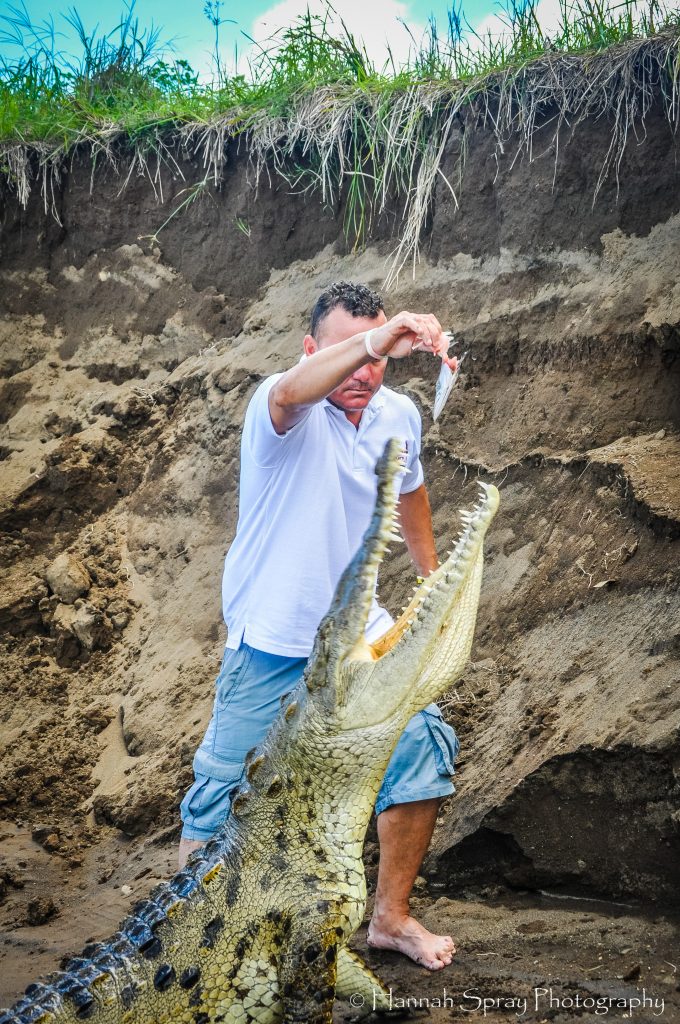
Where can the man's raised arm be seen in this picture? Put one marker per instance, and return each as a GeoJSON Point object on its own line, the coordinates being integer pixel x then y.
{"type": "Point", "coordinates": [331, 361]}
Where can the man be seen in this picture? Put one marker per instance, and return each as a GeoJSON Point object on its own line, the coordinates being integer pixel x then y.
{"type": "Point", "coordinates": [311, 438]}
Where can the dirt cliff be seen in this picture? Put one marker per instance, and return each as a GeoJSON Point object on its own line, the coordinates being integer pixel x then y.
{"type": "Point", "coordinates": [127, 361]}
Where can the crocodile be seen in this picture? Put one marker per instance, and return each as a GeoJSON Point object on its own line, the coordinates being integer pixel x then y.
{"type": "Point", "coordinates": [255, 927]}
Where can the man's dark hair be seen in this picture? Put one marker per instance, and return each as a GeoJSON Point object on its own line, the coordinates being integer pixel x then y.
{"type": "Point", "coordinates": [356, 299]}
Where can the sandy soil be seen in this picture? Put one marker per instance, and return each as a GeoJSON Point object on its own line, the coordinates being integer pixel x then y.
{"type": "Point", "coordinates": [126, 368]}
{"type": "Point", "coordinates": [522, 955]}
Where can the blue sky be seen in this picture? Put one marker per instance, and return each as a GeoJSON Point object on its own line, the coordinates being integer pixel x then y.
{"type": "Point", "coordinates": [377, 21]}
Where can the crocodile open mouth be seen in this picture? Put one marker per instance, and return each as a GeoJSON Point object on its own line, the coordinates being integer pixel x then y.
{"type": "Point", "coordinates": [433, 610]}
{"type": "Point", "coordinates": [435, 630]}
{"type": "Point", "coordinates": [437, 589]}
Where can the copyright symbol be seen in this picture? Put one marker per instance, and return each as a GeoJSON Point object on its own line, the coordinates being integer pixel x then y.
{"type": "Point", "coordinates": [356, 1000]}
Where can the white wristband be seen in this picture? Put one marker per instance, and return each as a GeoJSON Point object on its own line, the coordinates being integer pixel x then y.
{"type": "Point", "coordinates": [369, 348]}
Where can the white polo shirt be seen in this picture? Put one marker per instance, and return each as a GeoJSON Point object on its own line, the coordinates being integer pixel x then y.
{"type": "Point", "coordinates": [305, 500]}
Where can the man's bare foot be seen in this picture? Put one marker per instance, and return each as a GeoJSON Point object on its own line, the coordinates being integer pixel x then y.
{"type": "Point", "coordinates": [406, 936]}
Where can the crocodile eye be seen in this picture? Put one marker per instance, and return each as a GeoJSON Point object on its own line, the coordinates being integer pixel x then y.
{"type": "Point", "coordinates": [189, 977]}
{"type": "Point", "coordinates": [184, 883]}
{"type": "Point", "coordinates": [211, 932]}
{"type": "Point", "coordinates": [151, 948]}
{"type": "Point", "coordinates": [239, 803]}
{"type": "Point", "coordinates": [85, 1005]}
{"type": "Point", "coordinates": [290, 711]}
{"type": "Point", "coordinates": [164, 977]}
{"type": "Point", "coordinates": [275, 786]}
{"type": "Point", "coordinates": [312, 953]}
{"type": "Point", "coordinates": [196, 996]}
{"type": "Point", "coordinates": [127, 995]}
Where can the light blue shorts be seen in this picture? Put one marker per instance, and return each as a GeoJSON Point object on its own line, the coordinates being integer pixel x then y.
{"type": "Point", "coordinates": [249, 689]}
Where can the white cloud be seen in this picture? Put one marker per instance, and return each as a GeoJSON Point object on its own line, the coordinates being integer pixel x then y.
{"type": "Point", "coordinates": [550, 17]}
{"type": "Point", "coordinates": [375, 22]}
{"type": "Point", "coordinates": [496, 26]}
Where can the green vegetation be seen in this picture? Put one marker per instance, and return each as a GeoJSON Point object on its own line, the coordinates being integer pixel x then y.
{"type": "Point", "coordinates": [127, 79]}
{"type": "Point", "coordinates": [317, 110]}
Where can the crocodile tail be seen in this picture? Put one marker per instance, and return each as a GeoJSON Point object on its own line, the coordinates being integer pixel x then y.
{"type": "Point", "coordinates": [71, 995]}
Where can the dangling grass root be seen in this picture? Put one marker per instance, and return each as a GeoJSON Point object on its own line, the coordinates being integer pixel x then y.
{"type": "Point", "coordinates": [316, 112]}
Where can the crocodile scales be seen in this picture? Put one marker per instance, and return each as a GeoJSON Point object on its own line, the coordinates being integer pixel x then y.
{"type": "Point", "coordinates": [255, 928]}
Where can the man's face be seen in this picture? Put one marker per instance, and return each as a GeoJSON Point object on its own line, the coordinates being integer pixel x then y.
{"type": "Point", "coordinates": [354, 394]}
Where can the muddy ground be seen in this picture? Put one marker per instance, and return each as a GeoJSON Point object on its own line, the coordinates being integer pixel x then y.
{"type": "Point", "coordinates": [127, 362]}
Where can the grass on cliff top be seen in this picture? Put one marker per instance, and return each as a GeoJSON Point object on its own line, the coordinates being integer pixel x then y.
{"type": "Point", "coordinates": [129, 80]}
{"type": "Point", "coordinates": [317, 111]}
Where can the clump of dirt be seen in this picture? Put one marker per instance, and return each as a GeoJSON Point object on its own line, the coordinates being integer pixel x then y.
{"type": "Point", "coordinates": [126, 370]}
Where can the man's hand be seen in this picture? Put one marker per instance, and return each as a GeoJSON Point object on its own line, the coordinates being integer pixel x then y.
{"type": "Point", "coordinates": [407, 332]}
